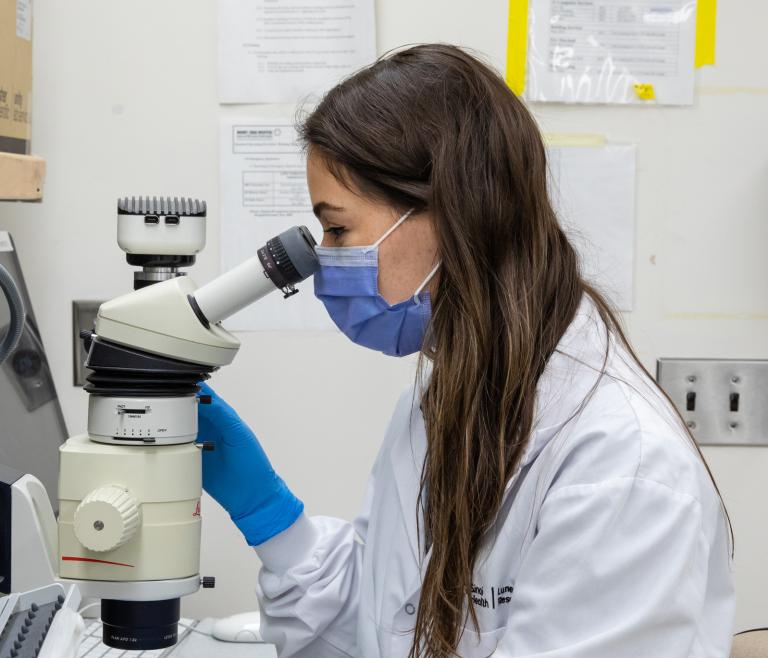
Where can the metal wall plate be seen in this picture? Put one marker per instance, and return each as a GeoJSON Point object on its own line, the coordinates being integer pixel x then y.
{"type": "Point", "coordinates": [723, 401]}
{"type": "Point", "coordinates": [83, 316]}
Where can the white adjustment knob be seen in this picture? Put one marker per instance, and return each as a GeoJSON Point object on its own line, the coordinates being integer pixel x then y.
{"type": "Point", "coordinates": [107, 518]}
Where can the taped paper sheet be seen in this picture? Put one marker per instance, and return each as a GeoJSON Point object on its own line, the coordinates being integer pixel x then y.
{"type": "Point", "coordinates": [281, 51]}
{"type": "Point", "coordinates": [593, 190]}
{"type": "Point", "coordinates": [602, 51]}
{"type": "Point", "coordinates": [263, 193]}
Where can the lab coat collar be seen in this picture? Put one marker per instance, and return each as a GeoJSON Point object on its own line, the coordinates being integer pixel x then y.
{"type": "Point", "coordinates": [570, 374]}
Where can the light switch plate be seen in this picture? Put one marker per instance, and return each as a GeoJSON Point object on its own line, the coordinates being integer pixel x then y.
{"type": "Point", "coordinates": [83, 316]}
{"type": "Point", "coordinates": [723, 401]}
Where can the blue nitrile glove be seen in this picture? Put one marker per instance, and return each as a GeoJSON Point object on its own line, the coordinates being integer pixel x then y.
{"type": "Point", "coordinates": [239, 476]}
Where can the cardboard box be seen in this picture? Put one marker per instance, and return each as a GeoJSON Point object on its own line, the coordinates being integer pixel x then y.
{"type": "Point", "coordinates": [15, 75]}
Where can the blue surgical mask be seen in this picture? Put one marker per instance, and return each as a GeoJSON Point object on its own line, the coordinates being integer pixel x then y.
{"type": "Point", "coordinates": [347, 283]}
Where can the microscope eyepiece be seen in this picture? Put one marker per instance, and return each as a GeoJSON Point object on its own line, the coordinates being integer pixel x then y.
{"type": "Point", "coordinates": [289, 258]}
{"type": "Point", "coordinates": [284, 261]}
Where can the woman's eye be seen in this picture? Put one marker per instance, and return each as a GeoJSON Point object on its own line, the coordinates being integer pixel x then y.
{"type": "Point", "coordinates": [335, 231]}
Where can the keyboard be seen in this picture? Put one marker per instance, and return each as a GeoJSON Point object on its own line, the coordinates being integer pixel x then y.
{"type": "Point", "coordinates": [93, 647]}
{"type": "Point", "coordinates": [26, 618]}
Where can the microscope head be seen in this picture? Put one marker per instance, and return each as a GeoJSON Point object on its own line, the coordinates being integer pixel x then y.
{"type": "Point", "coordinates": [177, 319]}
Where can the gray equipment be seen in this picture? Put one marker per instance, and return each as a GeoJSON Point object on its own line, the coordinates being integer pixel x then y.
{"type": "Point", "coordinates": [32, 427]}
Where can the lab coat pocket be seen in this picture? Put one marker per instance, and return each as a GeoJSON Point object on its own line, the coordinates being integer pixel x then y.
{"type": "Point", "coordinates": [479, 645]}
{"type": "Point", "coordinates": [471, 645]}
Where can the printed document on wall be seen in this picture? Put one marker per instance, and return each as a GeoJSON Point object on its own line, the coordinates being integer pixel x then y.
{"type": "Point", "coordinates": [604, 51]}
{"type": "Point", "coordinates": [282, 51]}
{"type": "Point", "coordinates": [263, 193]}
{"type": "Point", "coordinates": [593, 190]}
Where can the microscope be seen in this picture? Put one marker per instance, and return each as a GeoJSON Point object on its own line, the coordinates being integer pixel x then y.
{"type": "Point", "coordinates": [129, 523]}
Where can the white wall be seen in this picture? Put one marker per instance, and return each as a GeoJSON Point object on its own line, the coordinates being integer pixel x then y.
{"type": "Point", "coordinates": [125, 103]}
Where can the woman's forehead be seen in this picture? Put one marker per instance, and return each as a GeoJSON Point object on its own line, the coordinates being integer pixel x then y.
{"type": "Point", "coordinates": [328, 193]}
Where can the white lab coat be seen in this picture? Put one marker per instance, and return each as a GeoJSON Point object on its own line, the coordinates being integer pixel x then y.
{"type": "Point", "coordinates": [611, 541]}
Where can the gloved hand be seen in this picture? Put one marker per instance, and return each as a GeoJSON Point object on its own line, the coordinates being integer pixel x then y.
{"type": "Point", "coordinates": [239, 476]}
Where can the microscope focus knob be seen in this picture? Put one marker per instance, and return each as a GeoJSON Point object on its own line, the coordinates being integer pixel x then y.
{"type": "Point", "coordinates": [107, 518]}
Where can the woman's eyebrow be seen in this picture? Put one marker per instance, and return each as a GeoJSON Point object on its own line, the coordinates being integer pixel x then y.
{"type": "Point", "coordinates": [322, 206]}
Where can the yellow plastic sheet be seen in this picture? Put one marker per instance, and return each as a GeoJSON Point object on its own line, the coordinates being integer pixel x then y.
{"type": "Point", "coordinates": [517, 45]}
{"type": "Point", "coordinates": [705, 32]}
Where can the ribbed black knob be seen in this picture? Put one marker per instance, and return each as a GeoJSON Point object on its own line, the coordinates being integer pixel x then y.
{"type": "Point", "coordinates": [209, 582]}
{"type": "Point", "coordinates": [145, 205]}
{"type": "Point", "coordinates": [283, 262]}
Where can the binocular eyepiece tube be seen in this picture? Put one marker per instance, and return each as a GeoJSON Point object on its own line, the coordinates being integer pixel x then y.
{"type": "Point", "coordinates": [284, 261]}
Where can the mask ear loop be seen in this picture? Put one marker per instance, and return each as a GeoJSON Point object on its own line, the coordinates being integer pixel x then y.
{"type": "Point", "coordinates": [432, 273]}
{"type": "Point", "coordinates": [389, 230]}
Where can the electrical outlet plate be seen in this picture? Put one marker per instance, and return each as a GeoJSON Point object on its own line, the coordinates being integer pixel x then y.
{"type": "Point", "coordinates": [706, 390]}
{"type": "Point", "coordinates": [83, 316]}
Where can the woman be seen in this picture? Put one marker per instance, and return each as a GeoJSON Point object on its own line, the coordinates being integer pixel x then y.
{"type": "Point", "coordinates": [535, 493]}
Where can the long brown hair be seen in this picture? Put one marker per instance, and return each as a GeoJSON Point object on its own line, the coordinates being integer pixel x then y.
{"type": "Point", "coordinates": [433, 128]}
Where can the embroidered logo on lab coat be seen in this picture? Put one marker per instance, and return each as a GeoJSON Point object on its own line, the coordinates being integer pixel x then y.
{"type": "Point", "coordinates": [493, 597]}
